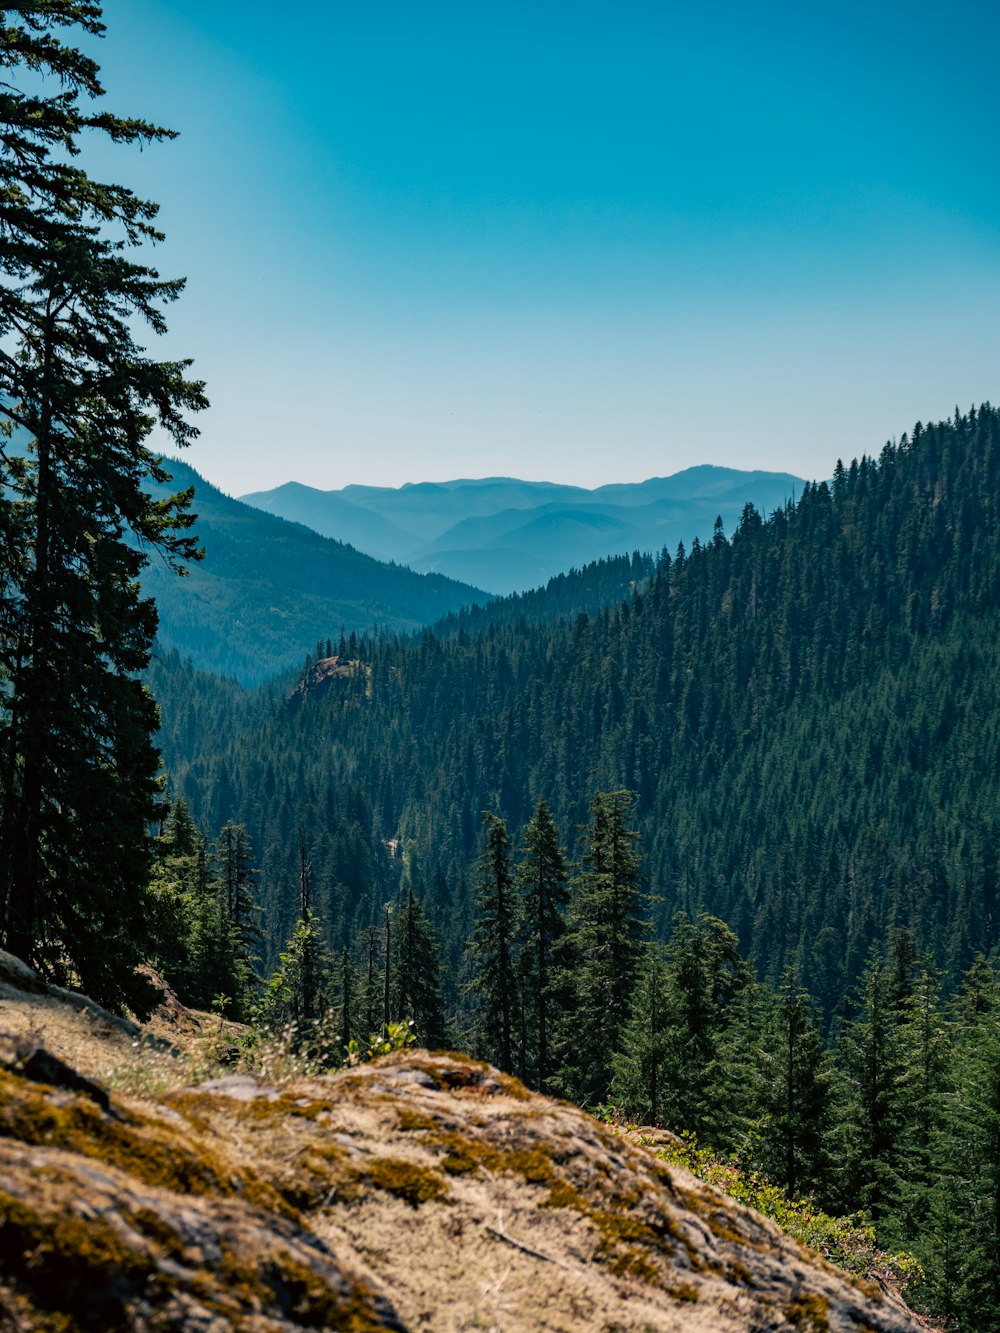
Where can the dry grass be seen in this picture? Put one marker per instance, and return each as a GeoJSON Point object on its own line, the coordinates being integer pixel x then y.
{"type": "Point", "coordinates": [466, 1200]}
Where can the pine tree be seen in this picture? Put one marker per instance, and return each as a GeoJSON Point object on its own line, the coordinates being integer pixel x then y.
{"type": "Point", "coordinates": [639, 1086]}
{"type": "Point", "coordinates": [205, 923]}
{"type": "Point", "coordinates": [416, 980]}
{"type": "Point", "coordinates": [179, 897]}
{"type": "Point", "coordinates": [543, 895]}
{"type": "Point", "coordinates": [371, 986]}
{"type": "Point", "coordinates": [706, 1092]}
{"type": "Point", "coordinates": [924, 1086]}
{"type": "Point", "coordinates": [491, 953]}
{"type": "Point", "coordinates": [346, 986]}
{"type": "Point", "coordinates": [872, 1057]}
{"type": "Point", "coordinates": [301, 995]}
{"type": "Point", "coordinates": [738, 1075]}
{"type": "Point", "coordinates": [609, 929]}
{"type": "Point", "coordinates": [797, 1097]}
{"type": "Point", "coordinates": [964, 1213]}
{"type": "Point", "coordinates": [78, 771]}
{"type": "Point", "coordinates": [239, 924]}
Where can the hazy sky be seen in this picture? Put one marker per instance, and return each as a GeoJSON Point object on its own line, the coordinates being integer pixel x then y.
{"type": "Point", "coordinates": [576, 241]}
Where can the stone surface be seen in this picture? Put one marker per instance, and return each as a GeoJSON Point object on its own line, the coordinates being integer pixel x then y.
{"type": "Point", "coordinates": [425, 1192]}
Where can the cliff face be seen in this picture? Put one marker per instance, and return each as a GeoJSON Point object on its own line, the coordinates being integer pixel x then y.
{"type": "Point", "coordinates": [425, 1192]}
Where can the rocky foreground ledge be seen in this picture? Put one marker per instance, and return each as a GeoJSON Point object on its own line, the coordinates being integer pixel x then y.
{"type": "Point", "coordinates": [423, 1192]}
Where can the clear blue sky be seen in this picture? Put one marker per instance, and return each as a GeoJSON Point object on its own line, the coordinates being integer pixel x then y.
{"type": "Point", "coordinates": [577, 241]}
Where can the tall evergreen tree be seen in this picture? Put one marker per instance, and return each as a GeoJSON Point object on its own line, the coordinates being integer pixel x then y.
{"type": "Point", "coordinates": [491, 952]}
{"type": "Point", "coordinates": [609, 930]}
{"type": "Point", "coordinates": [77, 767]}
{"type": "Point", "coordinates": [639, 1087]}
{"type": "Point", "coordinates": [963, 1218]}
{"type": "Point", "coordinates": [925, 1041]}
{"type": "Point", "coordinates": [346, 987]}
{"type": "Point", "coordinates": [371, 985]}
{"type": "Point", "coordinates": [416, 978]}
{"type": "Point", "coordinates": [543, 895]}
{"type": "Point", "coordinates": [302, 993]}
{"type": "Point", "coordinates": [797, 1095]}
{"type": "Point", "coordinates": [178, 901]}
{"type": "Point", "coordinates": [239, 914]}
{"type": "Point", "coordinates": [704, 974]}
{"type": "Point", "coordinates": [873, 1059]}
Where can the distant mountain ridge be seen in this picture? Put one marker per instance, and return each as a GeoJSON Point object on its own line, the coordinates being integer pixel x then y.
{"type": "Point", "coordinates": [268, 590]}
{"type": "Point", "coordinates": [508, 535]}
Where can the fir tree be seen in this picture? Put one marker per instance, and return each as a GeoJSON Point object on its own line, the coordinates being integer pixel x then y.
{"type": "Point", "coordinates": [416, 974]}
{"type": "Point", "coordinates": [346, 985]}
{"type": "Point", "coordinates": [925, 1044]}
{"type": "Point", "coordinates": [301, 995]}
{"type": "Point", "coordinates": [639, 1086]}
{"type": "Point", "coordinates": [491, 952]}
{"type": "Point", "coordinates": [797, 1095]}
{"type": "Point", "coordinates": [371, 986]}
{"type": "Point", "coordinates": [541, 885]}
{"type": "Point", "coordinates": [180, 893]}
{"type": "Point", "coordinates": [239, 926]}
{"type": "Point", "coordinates": [609, 929]}
{"type": "Point", "coordinates": [873, 1060]}
{"type": "Point", "coordinates": [78, 771]}
{"type": "Point", "coordinates": [964, 1213]}
{"type": "Point", "coordinates": [704, 974]}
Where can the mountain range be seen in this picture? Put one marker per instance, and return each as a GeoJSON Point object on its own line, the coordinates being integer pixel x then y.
{"type": "Point", "coordinates": [268, 590]}
{"type": "Point", "coordinates": [508, 535]}
{"type": "Point", "coordinates": [779, 747]}
{"type": "Point", "coordinates": [803, 708]}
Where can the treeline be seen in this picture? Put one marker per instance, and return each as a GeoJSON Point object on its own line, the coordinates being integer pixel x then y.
{"type": "Point", "coordinates": [806, 712]}
{"type": "Point", "coordinates": [585, 591]}
{"type": "Point", "coordinates": [561, 982]}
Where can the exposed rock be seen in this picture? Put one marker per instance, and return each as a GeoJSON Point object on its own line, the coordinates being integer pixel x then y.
{"type": "Point", "coordinates": [324, 672]}
{"type": "Point", "coordinates": [44, 1067]}
{"type": "Point", "coordinates": [425, 1191]}
{"type": "Point", "coordinates": [19, 975]}
{"type": "Point", "coordinates": [17, 979]}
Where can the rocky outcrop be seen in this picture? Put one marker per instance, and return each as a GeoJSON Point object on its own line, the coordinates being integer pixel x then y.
{"type": "Point", "coordinates": [323, 673]}
{"type": "Point", "coordinates": [425, 1192]}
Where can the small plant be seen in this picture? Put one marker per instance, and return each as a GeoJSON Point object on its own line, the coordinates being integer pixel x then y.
{"type": "Point", "coordinates": [292, 1050]}
{"type": "Point", "coordinates": [849, 1242]}
{"type": "Point", "coordinates": [609, 1114]}
{"type": "Point", "coordinates": [395, 1037]}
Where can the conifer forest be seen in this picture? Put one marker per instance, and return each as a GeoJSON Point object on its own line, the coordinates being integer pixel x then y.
{"type": "Point", "coordinates": [722, 856]}
{"type": "Point", "coordinates": [706, 838]}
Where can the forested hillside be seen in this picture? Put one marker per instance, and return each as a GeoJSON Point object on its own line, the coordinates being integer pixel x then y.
{"type": "Point", "coordinates": [806, 713]}
{"type": "Point", "coordinates": [585, 591]}
{"type": "Point", "coordinates": [766, 907]}
{"type": "Point", "coordinates": [267, 587]}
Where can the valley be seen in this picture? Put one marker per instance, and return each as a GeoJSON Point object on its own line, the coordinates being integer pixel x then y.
{"type": "Point", "coordinates": [267, 587]}
{"type": "Point", "coordinates": [772, 762]}
{"type": "Point", "coordinates": [497, 903]}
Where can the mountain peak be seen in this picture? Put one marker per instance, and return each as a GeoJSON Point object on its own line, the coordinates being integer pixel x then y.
{"type": "Point", "coordinates": [489, 530]}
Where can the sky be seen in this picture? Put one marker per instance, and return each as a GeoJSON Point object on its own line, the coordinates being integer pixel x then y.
{"type": "Point", "coordinates": [577, 242]}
